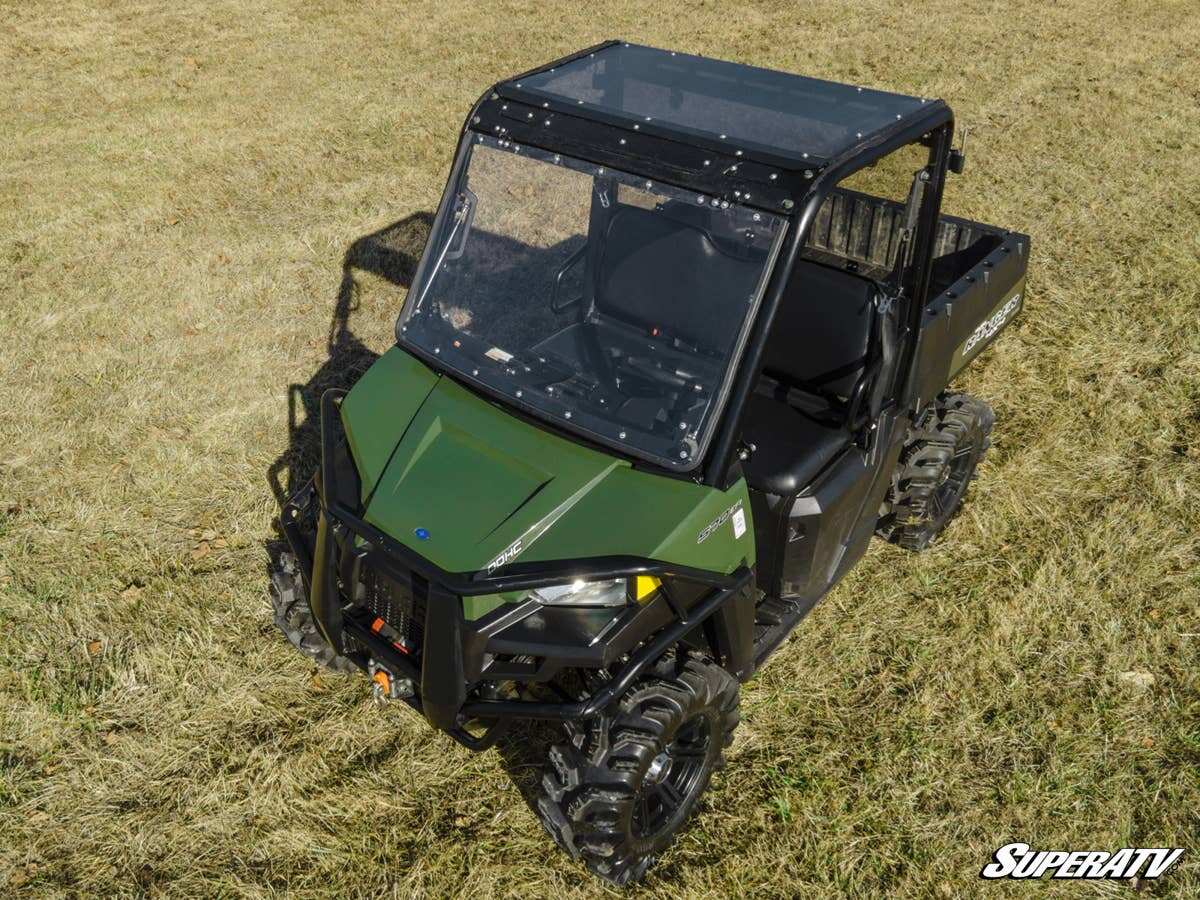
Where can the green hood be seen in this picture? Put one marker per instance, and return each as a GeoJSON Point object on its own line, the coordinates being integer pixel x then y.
{"type": "Point", "coordinates": [486, 486]}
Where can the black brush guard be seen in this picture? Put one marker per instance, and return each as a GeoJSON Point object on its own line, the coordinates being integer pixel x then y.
{"type": "Point", "coordinates": [440, 671]}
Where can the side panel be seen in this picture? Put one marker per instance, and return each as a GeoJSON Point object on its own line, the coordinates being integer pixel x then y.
{"type": "Point", "coordinates": [829, 527]}
{"type": "Point", "coordinates": [966, 316]}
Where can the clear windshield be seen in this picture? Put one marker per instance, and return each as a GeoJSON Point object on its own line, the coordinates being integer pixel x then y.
{"type": "Point", "coordinates": [606, 303]}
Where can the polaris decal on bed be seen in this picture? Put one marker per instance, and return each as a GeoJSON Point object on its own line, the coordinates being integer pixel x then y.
{"type": "Point", "coordinates": [739, 523]}
{"type": "Point", "coordinates": [988, 328]}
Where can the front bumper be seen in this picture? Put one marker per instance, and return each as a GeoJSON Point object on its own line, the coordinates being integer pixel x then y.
{"type": "Point", "coordinates": [447, 656]}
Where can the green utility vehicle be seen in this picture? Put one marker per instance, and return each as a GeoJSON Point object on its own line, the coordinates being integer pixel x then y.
{"type": "Point", "coordinates": [661, 374]}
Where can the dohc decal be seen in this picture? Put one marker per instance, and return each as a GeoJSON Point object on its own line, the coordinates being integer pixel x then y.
{"type": "Point", "coordinates": [509, 554]}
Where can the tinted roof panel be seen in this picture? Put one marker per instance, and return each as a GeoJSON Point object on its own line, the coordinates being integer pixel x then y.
{"type": "Point", "coordinates": [747, 107]}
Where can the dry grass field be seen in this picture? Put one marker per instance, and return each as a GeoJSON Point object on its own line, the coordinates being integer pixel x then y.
{"type": "Point", "coordinates": [191, 193]}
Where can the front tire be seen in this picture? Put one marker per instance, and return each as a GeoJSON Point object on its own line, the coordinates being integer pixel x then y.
{"type": "Point", "coordinates": [936, 465]}
{"type": "Point", "coordinates": [294, 618]}
{"type": "Point", "coordinates": [619, 792]}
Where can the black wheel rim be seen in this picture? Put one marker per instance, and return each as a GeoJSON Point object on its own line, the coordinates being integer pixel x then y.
{"type": "Point", "coordinates": [673, 780]}
{"type": "Point", "coordinates": [954, 482]}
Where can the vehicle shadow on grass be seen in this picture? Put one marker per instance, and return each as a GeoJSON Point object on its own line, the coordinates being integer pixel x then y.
{"type": "Point", "coordinates": [391, 253]}
{"type": "Point", "coordinates": [523, 753]}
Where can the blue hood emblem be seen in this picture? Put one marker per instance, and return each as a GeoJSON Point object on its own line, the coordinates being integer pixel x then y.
{"type": "Point", "coordinates": [422, 534]}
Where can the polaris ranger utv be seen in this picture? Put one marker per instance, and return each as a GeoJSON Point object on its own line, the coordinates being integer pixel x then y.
{"type": "Point", "coordinates": [660, 375]}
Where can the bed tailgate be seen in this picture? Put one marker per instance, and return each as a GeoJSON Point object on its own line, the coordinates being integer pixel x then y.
{"type": "Point", "coordinates": [963, 318]}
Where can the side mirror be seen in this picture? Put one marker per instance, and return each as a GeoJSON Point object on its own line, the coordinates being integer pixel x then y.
{"type": "Point", "coordinates": [957, 162]}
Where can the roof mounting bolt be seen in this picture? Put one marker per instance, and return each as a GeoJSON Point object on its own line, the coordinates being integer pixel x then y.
{"type": "Point", "coordinates": [518, 394]}
{"type": "Point", "coordinates": [787, 204]}
{"type": "Point", "coordinates": [757, 217]}
{"type": "Point", "coordinates": [474, 372]}
{"type": "Point", "coordinates": [773, 176]}
{"type": "Point", "coordinates": [808, 173]}
{"type": "Point", "coordinates": [437, 350]}
{"type": "Point", "coordinates": [567, 414]}
{"type": "Point", "coordinates": [621, 435]}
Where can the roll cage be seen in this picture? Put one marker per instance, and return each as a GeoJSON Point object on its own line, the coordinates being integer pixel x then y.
{"type": "Point", "coordinates": [790, 181]}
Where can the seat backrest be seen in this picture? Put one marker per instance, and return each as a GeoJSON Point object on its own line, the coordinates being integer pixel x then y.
{"type": "Point", "coordinates": [658, 271]}
{"type": "Point", "coordinates": [822, 330]}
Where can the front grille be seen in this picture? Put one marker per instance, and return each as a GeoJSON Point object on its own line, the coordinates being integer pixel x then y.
{"type": "Point", "coordinates": [394, 602]}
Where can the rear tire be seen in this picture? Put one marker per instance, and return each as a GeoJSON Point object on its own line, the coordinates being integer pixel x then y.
{"type": "Point", "coordinates": [293, 617]}
{"type": "Point", "coordinates": [937, 464]}
{"type": "Point", "coordinates": [616, 795]}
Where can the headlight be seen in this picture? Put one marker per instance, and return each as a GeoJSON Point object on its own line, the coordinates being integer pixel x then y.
{"type": "Point", "coordinates": [615, 592]}
{"type": "Point", "coordinates": [583, 593]}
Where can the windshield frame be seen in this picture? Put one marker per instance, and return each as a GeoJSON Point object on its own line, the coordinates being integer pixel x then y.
{"type": "Point", "coordinates": [440, 239]}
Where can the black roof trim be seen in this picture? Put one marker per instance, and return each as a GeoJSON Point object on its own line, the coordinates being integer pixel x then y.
{"type": "Point", "coordinates": [669, 157]}
{"type": "Point", "coordinates": [838, 116]}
